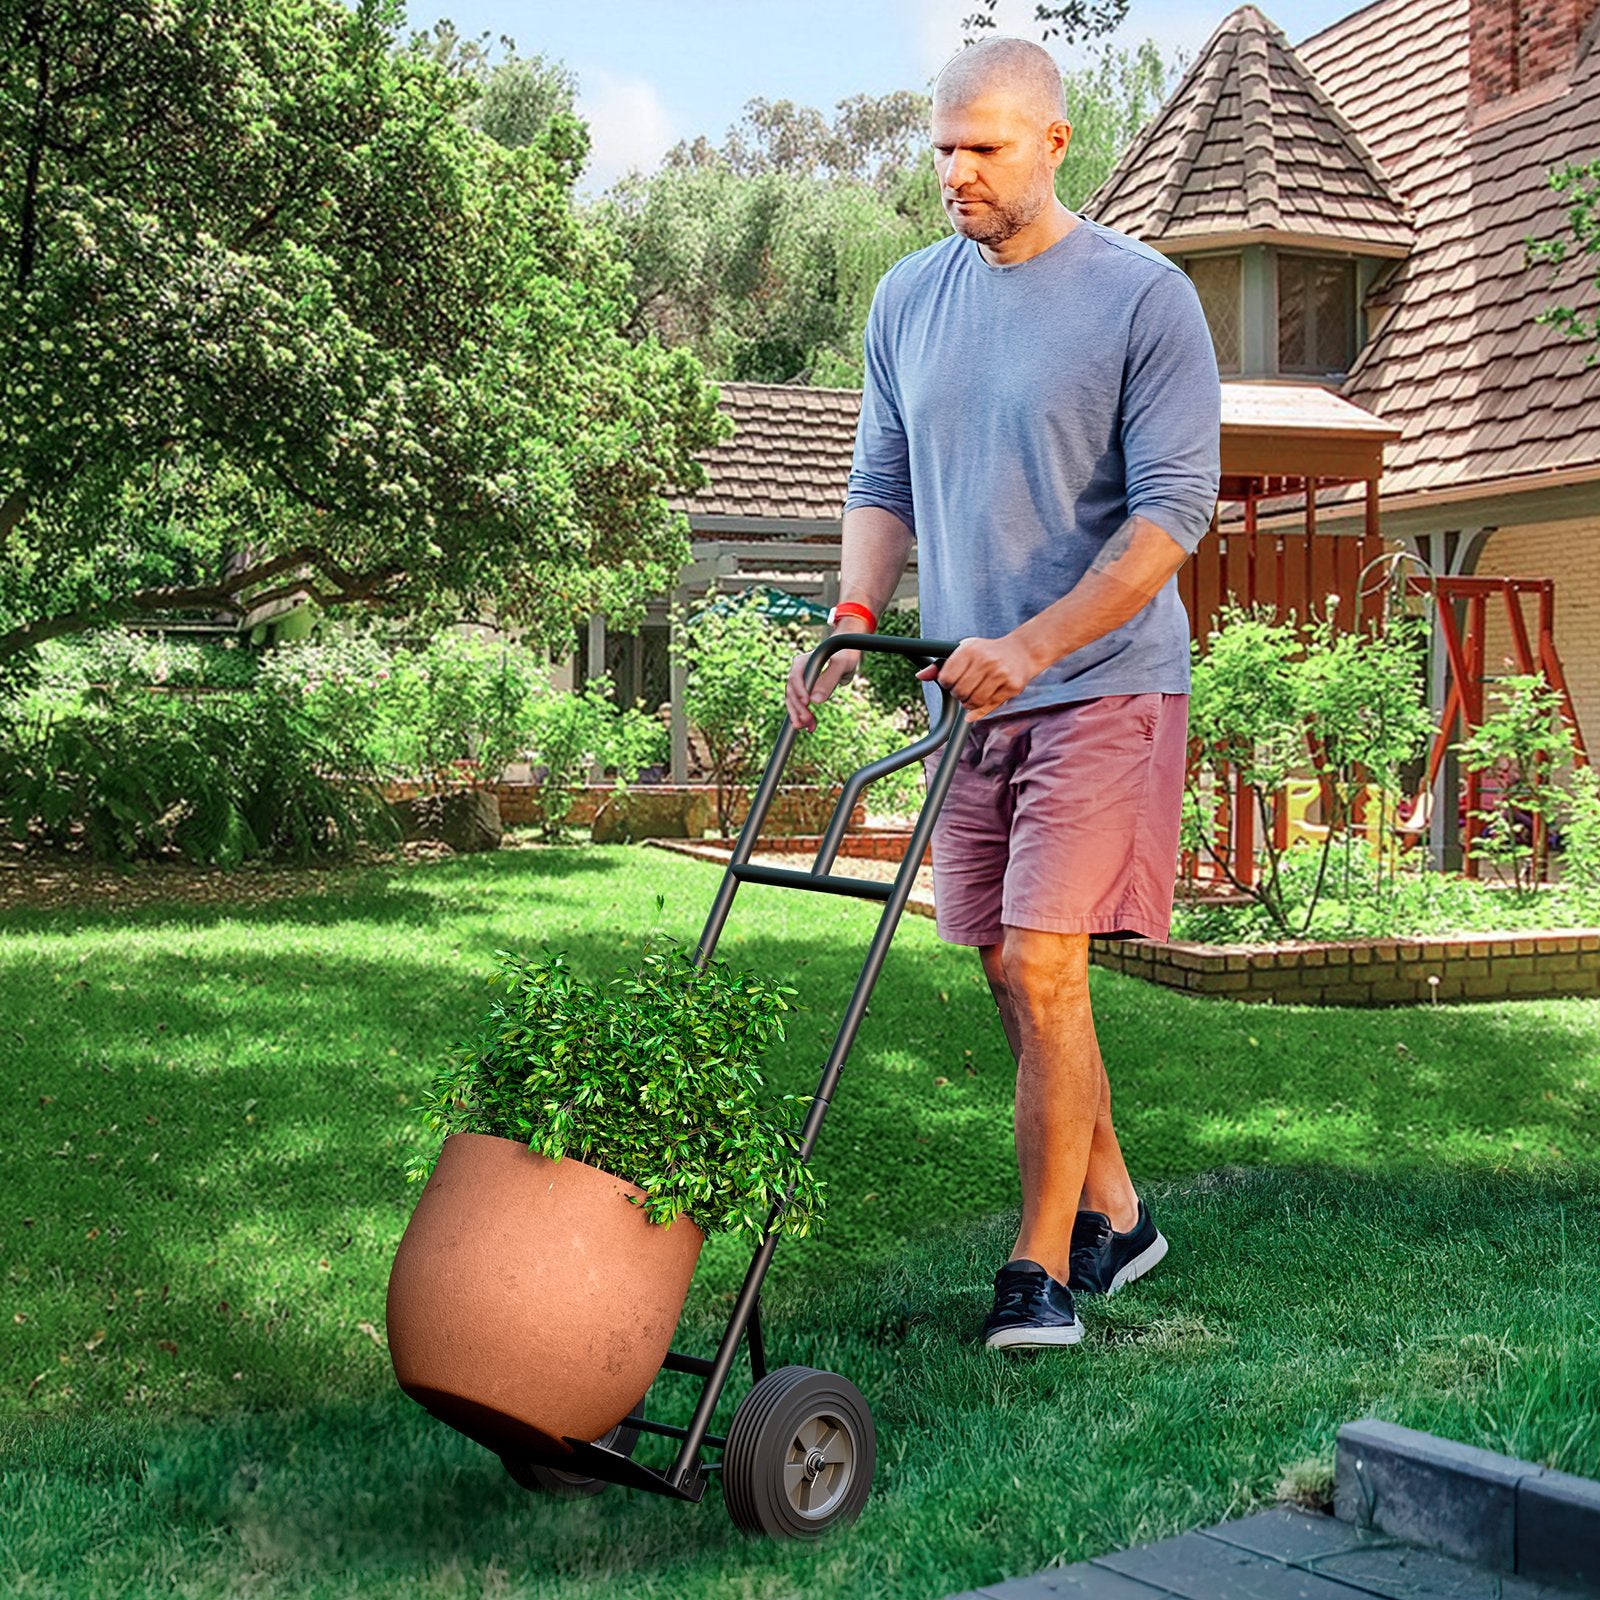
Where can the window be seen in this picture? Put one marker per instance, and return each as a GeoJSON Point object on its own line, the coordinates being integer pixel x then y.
{"type": "Point", "coordinates": [1316, 314]}
{"type": "Point", "coordinates": [1216, 281]}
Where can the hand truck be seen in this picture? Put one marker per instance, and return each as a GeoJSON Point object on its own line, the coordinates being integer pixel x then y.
{"type": "Point", "coordinates": [799, 1454]}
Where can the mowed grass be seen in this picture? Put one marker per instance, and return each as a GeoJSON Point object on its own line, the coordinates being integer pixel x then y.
{"type": "Point", "coordinates": [1389, 1213]}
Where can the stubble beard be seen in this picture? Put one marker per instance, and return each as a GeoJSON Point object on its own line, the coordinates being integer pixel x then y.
{"type": "Point", "coordinates": [997, 223]}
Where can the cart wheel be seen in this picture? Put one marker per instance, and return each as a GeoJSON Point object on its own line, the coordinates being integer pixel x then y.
{"type": "Point", "coordinates": [799, 1456]}
{"type": "Point", "coordinates": [564, 1485]}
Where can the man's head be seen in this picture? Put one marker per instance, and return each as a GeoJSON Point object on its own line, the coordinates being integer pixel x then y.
{"type": "Point", "coordinates": [1000, 130]}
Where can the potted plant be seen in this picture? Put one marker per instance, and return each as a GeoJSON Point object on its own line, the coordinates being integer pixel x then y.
{"type": "Point", "coordinates": [594, 1136]}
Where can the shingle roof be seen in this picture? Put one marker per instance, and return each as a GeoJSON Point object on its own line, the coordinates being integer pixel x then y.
{"type": "Point", "coordinates": [1479, 390]}
{"type": "Point", "coordinates": [788, 459]}
{"type": "Point", "coordinates": [790, 456]}
{"type": "Point", "coordinates": [1250, 142]}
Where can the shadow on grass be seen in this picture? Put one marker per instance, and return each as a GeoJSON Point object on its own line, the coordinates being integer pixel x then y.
{"type": "Point", "coordinates": [261, 1103]}
{"type": "Point", "coordinates": [389, 893]}
{"type": "Point", "coordinates": [1292, 1301]}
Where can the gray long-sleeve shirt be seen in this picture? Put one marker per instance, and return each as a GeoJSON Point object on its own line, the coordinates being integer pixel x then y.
{"type": "Point", "coordinates": [1015, 417]}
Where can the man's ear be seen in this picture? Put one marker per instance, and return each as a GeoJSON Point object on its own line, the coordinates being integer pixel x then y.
{"type": "Point", "coordinates": [1060, 137]}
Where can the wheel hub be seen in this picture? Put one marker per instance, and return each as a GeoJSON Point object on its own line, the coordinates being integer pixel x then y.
{"type": "Point", "coordinates": [814, 1463]}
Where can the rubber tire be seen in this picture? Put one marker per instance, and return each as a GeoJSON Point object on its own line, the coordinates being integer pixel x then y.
{"type": "Point", "coordinates": [560, 1484]}
{"type": "Point", "coordinates": [786, 1415]}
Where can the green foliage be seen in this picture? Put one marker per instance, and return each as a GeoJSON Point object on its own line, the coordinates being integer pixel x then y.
{"type": "Point", "coordinates": [1108, 103]}
{"type": "Point", "coordinates": [1520, 744]}
{"type": "Point", "coordinates": [569, 734]}
{"type": "Point", "coordinates": [1582, 184]}
{"type": "Point", "coordinates": [1268, 699]}
{"type": "Point", "coordinates": [761, 254]}
{"type": "Point", "coordinates": [1344, 899]}
{"type": "Point", "coordinates": [309, 300]}
{"type": "Point", "coordinates": [738, 659]}
{"type": "Point", "coordinates": [652, 1077]}
{"type": "Point", "coordinates": [1580, 831]}
{"type": "Point", "coordinates": [891, 681]}
{"type": "Point", "coordinates": [218, 779]}
{"type": "Point", "coordinates": [458, 707]}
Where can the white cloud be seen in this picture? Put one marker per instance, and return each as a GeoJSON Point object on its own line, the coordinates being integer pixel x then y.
{"type": "Point", "coordinates": [629, 126]}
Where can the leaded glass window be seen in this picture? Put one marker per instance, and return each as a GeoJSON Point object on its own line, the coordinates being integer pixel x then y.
{"type": "Point", "coordinates": [1216, 281]}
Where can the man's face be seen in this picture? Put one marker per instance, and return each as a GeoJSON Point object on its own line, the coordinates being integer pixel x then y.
{"type": "Point", "coordinates": [995, 163]}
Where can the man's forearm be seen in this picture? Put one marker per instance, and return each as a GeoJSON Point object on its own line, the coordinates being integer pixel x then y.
{"type": "Point", "coordinates": [874, 548]}
{"type": "Point", "coordinates": [1125, 577]}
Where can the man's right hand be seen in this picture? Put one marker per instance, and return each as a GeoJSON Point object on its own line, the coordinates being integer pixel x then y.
{"type": "Point", "coordinates": [839, 669]}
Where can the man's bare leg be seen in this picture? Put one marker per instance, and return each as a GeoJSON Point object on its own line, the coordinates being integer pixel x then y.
{"type": "Point", "coordinates": [1042, 995]}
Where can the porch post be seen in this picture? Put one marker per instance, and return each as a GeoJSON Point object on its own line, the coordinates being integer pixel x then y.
{"type": "Point", "coordinates": [597, 665]}
{"type": "Point", "coordinates": [679, 725]}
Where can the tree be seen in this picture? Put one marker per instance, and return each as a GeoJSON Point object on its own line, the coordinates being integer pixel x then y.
{"type": "Point", "coordinates": [1583, 219]}
{"type": "Point", "coordinates": [761, 254]}
{"type": "Point", "coordinates": [1077, 19]}
{"type": "Point", "coordinates": [271, 299]}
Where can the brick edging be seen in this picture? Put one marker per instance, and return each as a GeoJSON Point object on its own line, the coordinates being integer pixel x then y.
{"type": "Point", "coordinates": [1370, 972]}
{"type": "Point", "coordinates": [1335, 972]}
{"type": "Point", "coordinates": [1508, 1515]}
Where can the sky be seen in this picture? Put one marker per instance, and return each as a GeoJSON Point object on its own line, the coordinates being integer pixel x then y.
{"type": "Point", "coordinates": [651, 72]}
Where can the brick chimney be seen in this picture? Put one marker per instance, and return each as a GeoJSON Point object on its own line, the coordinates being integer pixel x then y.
{"type": "Point", "coordinates": [1519, 43]}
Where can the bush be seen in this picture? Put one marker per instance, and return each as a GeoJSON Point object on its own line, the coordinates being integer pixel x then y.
{"type": "Point", "coordinates": [458, 705]}
{"type": "Point", "coordinates": [1270, 699]}
{"type": "Point", "coordinates": [652, 1078]}
{"type": "Point", "coordinates": [574, 732]}
{"type": "Point", "coordinates": [737, 662]}
{"type": "Point", "coordinates": [891, 681]}
{"type": "Point", "coordinates": [221, 780]}
{"type": "Point", "coordinates": [1521, 744]}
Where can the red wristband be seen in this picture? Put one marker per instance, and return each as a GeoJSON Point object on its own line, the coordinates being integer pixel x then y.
{"type": "Point", "coordinates": [853, 608]}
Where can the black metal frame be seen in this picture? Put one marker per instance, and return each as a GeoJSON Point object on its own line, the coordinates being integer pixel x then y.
{"type": "Point", "coordinates": [685, 1478]}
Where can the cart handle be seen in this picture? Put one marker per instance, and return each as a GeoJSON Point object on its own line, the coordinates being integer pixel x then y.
{"type": "Point", "coordinates": [926, 651]}
{"type": "Point", "coordinates": [950, 728]}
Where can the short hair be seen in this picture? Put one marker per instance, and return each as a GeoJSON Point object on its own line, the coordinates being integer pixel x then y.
{"type": "Point", "coordinates": [1021, 68]}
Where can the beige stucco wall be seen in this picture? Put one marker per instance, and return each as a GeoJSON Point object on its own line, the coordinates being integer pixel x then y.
{"type": "Point", "coordinates": [1568, 552]}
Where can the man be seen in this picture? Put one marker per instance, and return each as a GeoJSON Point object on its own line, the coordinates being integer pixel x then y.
{"type": "Point", "coordinates": [1041, 416]}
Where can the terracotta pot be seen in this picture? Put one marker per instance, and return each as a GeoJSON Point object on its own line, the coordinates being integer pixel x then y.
{"type": "Point", "coordinates": [529, 1301]}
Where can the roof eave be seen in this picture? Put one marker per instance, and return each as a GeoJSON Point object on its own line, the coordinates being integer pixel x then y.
{"type": "Point", "coordinates": [1233, 238]}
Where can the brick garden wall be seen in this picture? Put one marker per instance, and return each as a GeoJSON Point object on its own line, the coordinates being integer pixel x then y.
{"type": "Point", "coordinates": [1376, 972]}
{"type": "Point", "coordinates": [792, 808]}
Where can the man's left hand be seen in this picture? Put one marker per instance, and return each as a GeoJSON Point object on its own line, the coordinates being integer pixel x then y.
{"type": "Point", "coordinates": [985, 673]}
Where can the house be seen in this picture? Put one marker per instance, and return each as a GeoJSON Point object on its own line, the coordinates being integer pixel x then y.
{"type": "Point", "coordinates": [1354, 213]}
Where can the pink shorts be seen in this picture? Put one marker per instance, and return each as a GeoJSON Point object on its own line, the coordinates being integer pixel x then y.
{"type": "Point", "coordinates": [1065, 820]}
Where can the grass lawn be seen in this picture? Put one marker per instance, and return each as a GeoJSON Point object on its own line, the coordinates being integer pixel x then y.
{"type": "Point", "coordinates": [1389, 1213]}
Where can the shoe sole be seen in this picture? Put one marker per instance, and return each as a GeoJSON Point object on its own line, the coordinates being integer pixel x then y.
{"type": "Point", "coordinates": [1034, 1338]}
{"type": "Point", "coordinates": [1140, 1264]}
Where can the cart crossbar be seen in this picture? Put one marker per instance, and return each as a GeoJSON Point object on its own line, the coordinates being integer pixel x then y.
{"type": "Point", "coordinates": [823, 883]}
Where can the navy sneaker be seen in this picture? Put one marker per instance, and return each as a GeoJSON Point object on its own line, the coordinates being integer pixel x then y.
{"type": "Point", "coordinates": [1031, 1310]}
{"type": "Point", "coordinates": [1103, 1260]}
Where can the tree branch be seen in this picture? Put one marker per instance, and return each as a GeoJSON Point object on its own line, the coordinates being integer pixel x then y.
{"type": "Point", "coordinates": [236, 596]}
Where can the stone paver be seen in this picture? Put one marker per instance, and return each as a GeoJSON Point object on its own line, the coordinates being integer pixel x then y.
{"type": "Point", "coordinates": [1282, 1554]}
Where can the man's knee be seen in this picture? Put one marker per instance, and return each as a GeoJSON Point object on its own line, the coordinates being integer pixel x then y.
{"type": "Point", "coordinates": [1040, 969]}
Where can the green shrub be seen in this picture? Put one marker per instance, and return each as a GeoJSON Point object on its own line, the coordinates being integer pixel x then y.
{"type": "Point", "coordinates": [737, 661]}
{"type": "Point", "coordinates": [1521, 744]}
{"type": "Point", "coordinates": [219, 780]}
{"type": "Point", "coordinates": [652, 1077]}
{"type": "Point", "coordinates": [572, 733]}
{"type": "Point", "coordinates": [1271, 699]}
{"type": "Point", "coordinates": [891, 681]}
{"type": "Point", "coordinates": [459, 706]}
